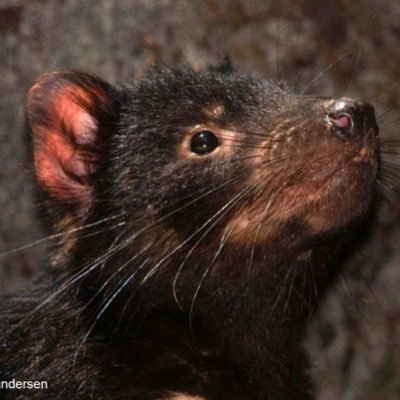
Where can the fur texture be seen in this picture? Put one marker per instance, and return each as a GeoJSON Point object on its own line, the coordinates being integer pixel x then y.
{"type": "Point", "coordinates": [179, 272]}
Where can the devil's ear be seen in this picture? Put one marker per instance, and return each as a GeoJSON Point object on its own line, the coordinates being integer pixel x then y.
{"type": "Point", "coordinates": [71, 114]}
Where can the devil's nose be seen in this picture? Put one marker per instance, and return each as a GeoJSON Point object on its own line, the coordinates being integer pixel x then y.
{"type": "Point", "coordinates": [352, 119]}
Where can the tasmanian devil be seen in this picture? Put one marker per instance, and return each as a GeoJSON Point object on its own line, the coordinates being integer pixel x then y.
{"type": "Point", "coordinates": [198, 216]}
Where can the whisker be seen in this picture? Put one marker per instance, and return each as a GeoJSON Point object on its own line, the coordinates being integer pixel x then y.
{"type": "Point", "coordinates": [85, 270]}
{"type": "Point", "coordinates": [190, 237]}
{"type": "Point", "coordinates": [288, 295]}
{"type": "Point", "coordinates": [203, 277]}
{"type": "Point", "coordinates": [265, 138]}
{"type": "Point", "coordinates": [266, 209]}
{"type": "Point", "coordinates": [387, 123]}
{"type": "Point", "coordinates": [323, 72]}
{"type": "Point", "coordinates": [127, 303]}
{"type": "Point", "coordinates": [58, 235]}
{"type": "Point", "coordinates": [389, 141]}
{"type": "Point", "coordinates": [280, 293]}
{"type": "Point", "coordinates": [110, 300]}
{"type": "Point", "coordinates": [224, 210]}
{"type": "Point", "coordinates": [390, 152]}
{"type": "Point", "coordinates": [188, 255]}
{"type": "Point", "coordinates": [388, 184]}
{"type": "Point", "coordinates": [384, 114]}
{"type": "Point", "coordinates": [116, 272]}
{"type": "Point", "coordinates": [253, 246]}
{"type": "Point", "coordinates": [93, 264]}
{"type": "Point", "coordinates": [380, 190]}
{"type": "Point", "coordinates": [389, 165]}
{"type": "Point", "coordinates": [354, 69]}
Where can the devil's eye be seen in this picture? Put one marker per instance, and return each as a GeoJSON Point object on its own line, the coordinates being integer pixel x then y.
{"type": "Point", "coordinates": [203, 142]}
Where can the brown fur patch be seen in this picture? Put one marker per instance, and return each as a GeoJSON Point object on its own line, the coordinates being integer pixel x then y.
{"type": "Point", "coordinates": [214, 112]}
{"type": "Point", "coordinates": [68, 226]}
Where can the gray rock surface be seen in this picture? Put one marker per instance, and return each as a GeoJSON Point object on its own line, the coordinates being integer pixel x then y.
{"type": "Point", "coordinates": [328, 47]}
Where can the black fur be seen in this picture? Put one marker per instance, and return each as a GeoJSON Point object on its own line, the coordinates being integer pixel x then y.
{"type": "Point", "coordinates": [188, 315]}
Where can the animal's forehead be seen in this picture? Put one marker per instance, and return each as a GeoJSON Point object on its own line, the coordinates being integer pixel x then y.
{"type": "Point", "coordinates": [173, 96]}
{"type": "Point", "coordinates": [173, 87]}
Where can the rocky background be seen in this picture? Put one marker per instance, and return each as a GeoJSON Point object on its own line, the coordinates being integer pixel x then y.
{"type": "Point", "coordinates": [338, 47]}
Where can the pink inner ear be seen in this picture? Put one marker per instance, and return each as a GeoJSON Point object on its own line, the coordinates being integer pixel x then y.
{"type": "Point", "coordinates": [79, 123]}
{"type": "Point", "coordinates": [64, 149]}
